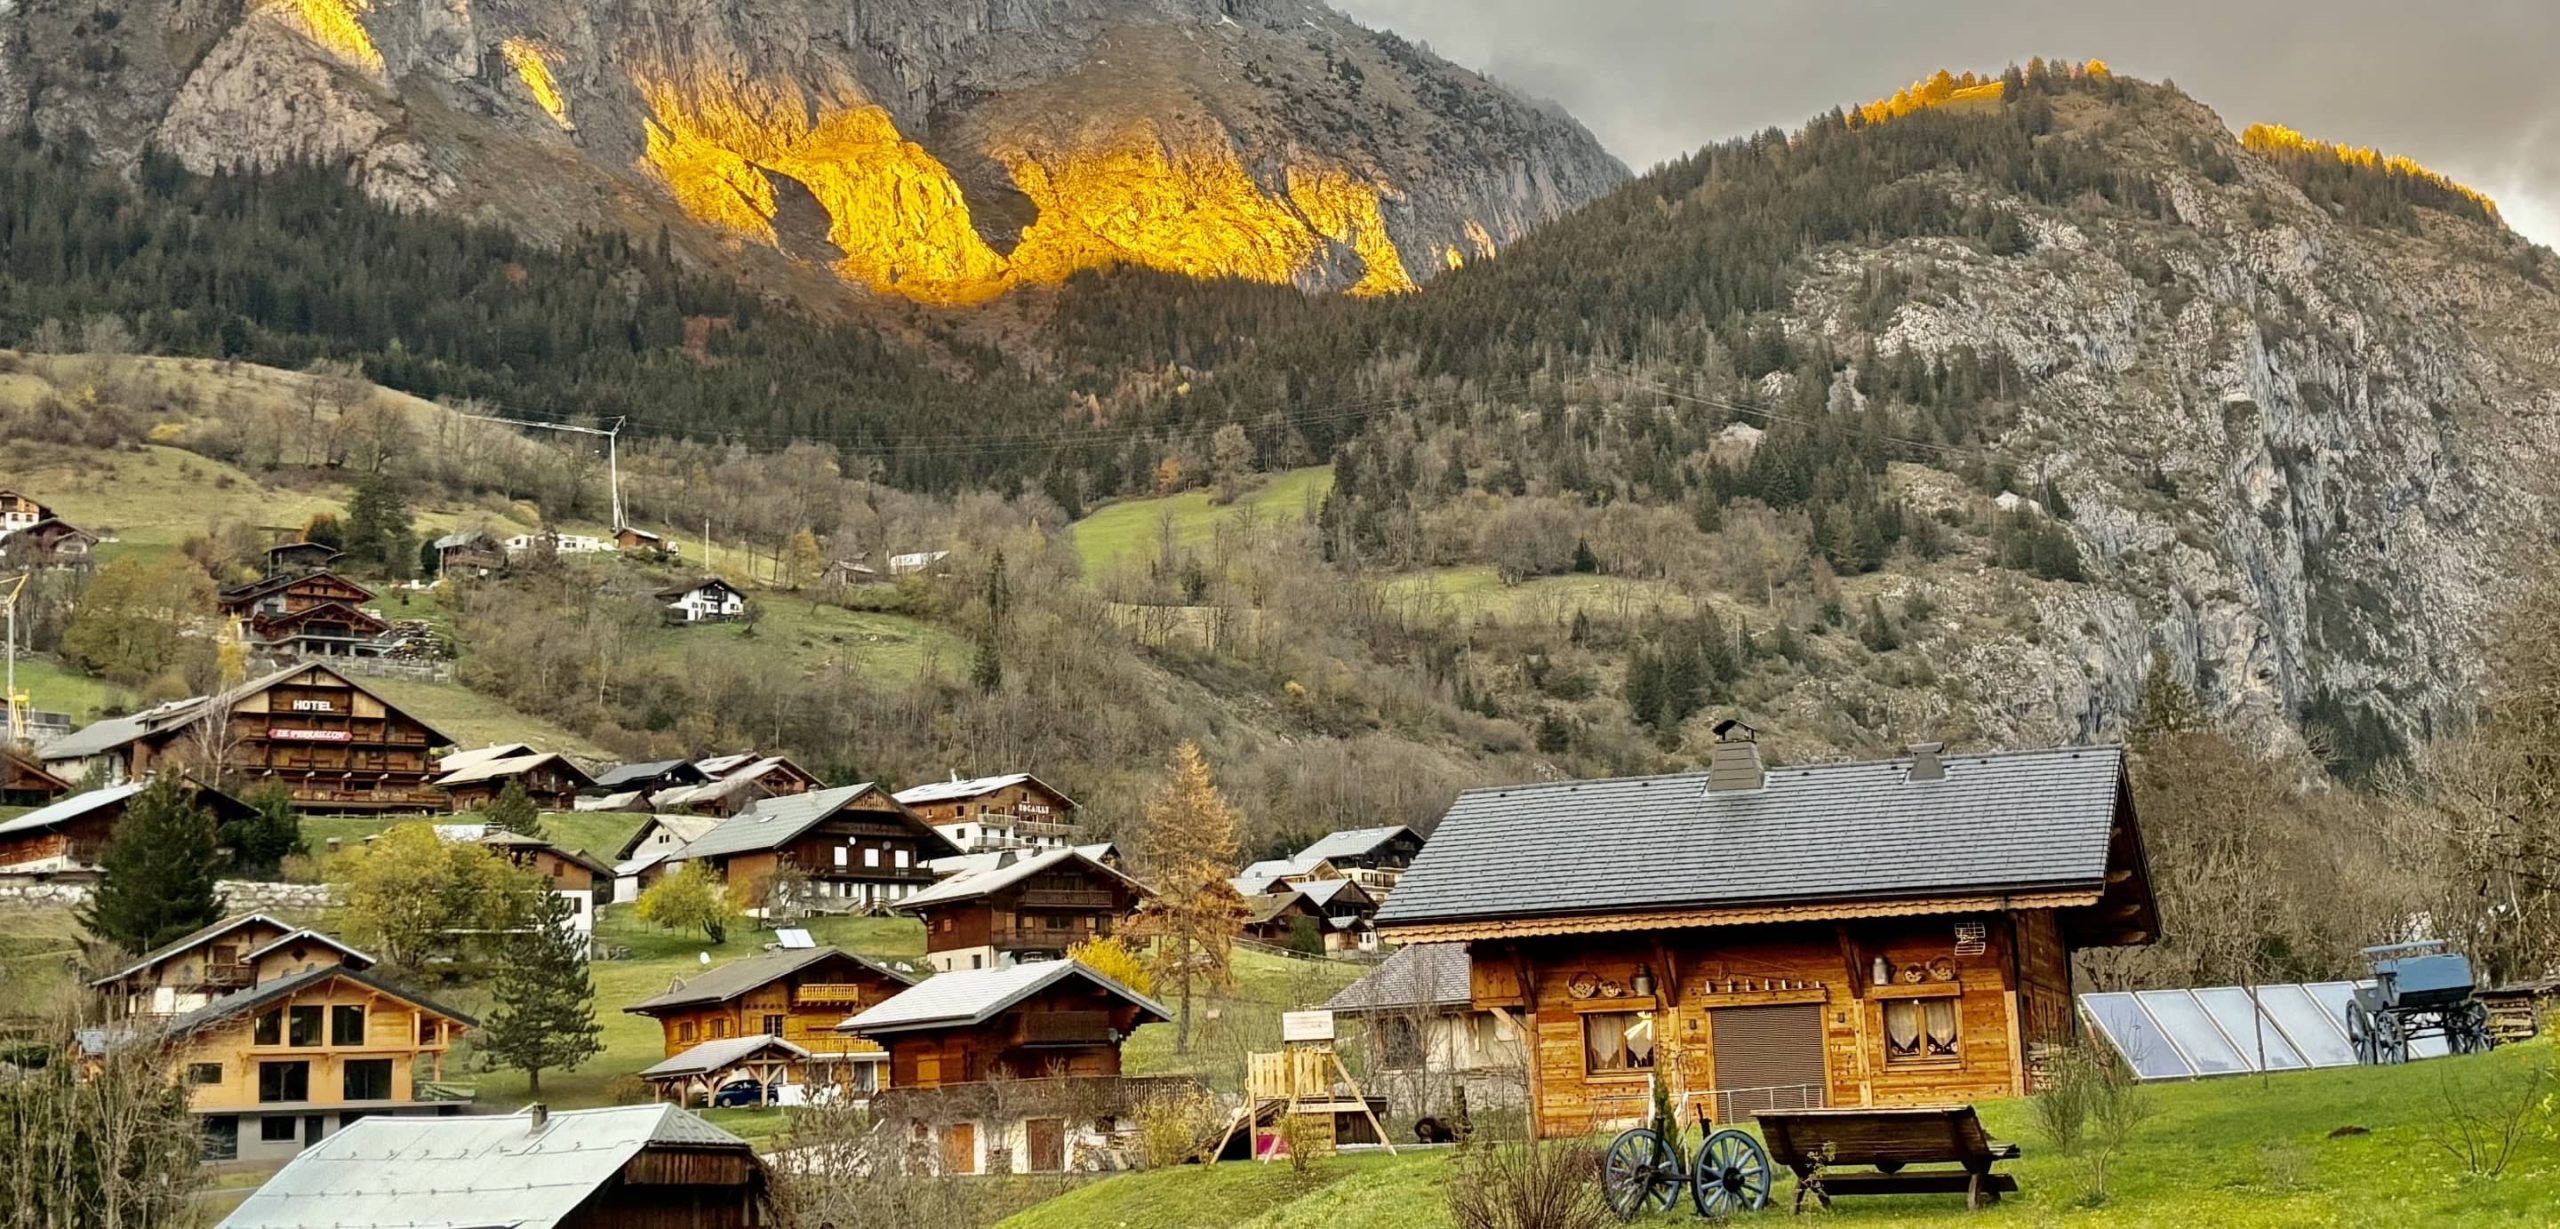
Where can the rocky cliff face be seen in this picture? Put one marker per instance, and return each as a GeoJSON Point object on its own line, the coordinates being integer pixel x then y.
{"type": "Point", "coordinates": [944, 150]}
{"type": "Point", "coordinates": [2300, 455]}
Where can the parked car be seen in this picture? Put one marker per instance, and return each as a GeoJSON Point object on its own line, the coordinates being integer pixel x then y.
{"type": "Point", "coordinates": [738, 1094]}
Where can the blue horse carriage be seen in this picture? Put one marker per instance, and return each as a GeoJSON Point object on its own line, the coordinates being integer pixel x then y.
{"type": "Point", "coordinates": [2419, 990]}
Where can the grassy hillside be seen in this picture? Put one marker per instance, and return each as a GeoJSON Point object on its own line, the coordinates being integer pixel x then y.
{"type": "Point", "coordinates": [2232, 1153]}
{"type": "Point", "coordinates": [1129, 530]}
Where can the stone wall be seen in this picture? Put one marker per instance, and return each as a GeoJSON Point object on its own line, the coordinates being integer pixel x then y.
{"type": "Point", "coordinates": [238, 895]}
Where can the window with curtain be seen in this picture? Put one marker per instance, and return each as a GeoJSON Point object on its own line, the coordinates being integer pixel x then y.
{"type": "Point", "coordinates": [1617, 1041]}
{"type": "Point", "coordinates": [1921, 1030]}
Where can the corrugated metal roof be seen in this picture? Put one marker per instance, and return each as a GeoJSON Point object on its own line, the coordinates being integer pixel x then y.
{"type": "Point", "coordinates": [1423, 976]}
{"type": "Point", "coordinates": [1998, 822]}
{"type": "Point", "coordinates": [1350, 843]}
{"type": "Point", "coordinates": [714, 1056]}
{"type": "Point", "coordinates": [973, 883]}
{"type": "Point", "coordinates": [631, 774]}
{"type": "Point", "coordinates": [465, 1172]}
{"type": "Point", "coordinates": [951, 1000]}
{"type": "Point", "coordinates": [730, 980]}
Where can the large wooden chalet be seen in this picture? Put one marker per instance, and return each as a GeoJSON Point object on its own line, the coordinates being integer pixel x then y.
{"type": "Point", "coordinates": [66, 836]}
{"type": "Point", "coordinates": [49, 543]}
{"type": "Point", "coordinates": [1053, 1030]}
{"type": "Point", "coordinates": [1013, 811]}
{"type": "Point", "coordinates": [795, 997]}
{"type": "Point", "coordinates": [858, 847]}
{"type": "Point", "coordinates": [231, 955]}
{"type": "Point", "coordinates": [306, 614]}
{"type": "Point", "coordinates": [1027, 907]}
{"type": "Point", "coordinates": [333, 744]}
{"type": "Point", "coordinates": [1872, 934]}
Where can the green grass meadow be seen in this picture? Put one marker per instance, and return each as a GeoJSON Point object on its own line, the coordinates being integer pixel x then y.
{"type": "Point", "coordinates": [1126, 532]}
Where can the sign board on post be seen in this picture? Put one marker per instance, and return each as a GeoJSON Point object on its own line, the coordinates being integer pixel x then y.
{"type": "Point", "coordinates": [1306, 1026]}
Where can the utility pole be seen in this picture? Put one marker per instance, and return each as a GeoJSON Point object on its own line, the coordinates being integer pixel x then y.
{"type": "Point", "coordinates": [612, 458]}
{"type": "Point", "coordinates": [17, 734]}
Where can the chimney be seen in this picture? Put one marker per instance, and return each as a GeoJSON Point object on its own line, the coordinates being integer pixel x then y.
{"type": "Point", "coordinates": [1925, 764]}
{"type": "Point", "coordinates": [540, 1115]}
{"type": "Point", "coordinates": [1735, 762]}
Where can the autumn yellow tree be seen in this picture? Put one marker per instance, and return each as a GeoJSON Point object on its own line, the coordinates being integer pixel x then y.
{"type": "Point", "coordinates": [1111, 956]}
{"type": "Point", "coordinates": [800, 561]}
{"type": "Point", "coordinates": [1188, 847]}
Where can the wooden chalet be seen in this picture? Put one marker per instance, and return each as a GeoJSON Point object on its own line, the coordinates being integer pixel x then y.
{"type": "Point", "coordinates": [17, 511]}
{"type": "Point", "coordinates": [66, 835]}
{"type": "Point", "coordinates": [1425, 1036]}
{"type": "Point", "coordinates": [732, 784]}
{"type": "Point", "coordinates": [49, 543]}
{"type": "Point", "coordinates": [471, 552]}
{"type": "Point", "coordinates": [1026, 907]}
{"type": "Point", "coordinates": [641, 541]}
{"type": "Point", "coordinates": [550, 779]}
{"type": "Point", "coordinates": [649, 777]}
{"type": "Point", "coordinates": [306, 614]}
{"type": "Point", "coordinates": [792, 996]}
{"type": "Point", "coordinates": [1275, 918]}
{"type": "Point", "coordinates": [231, 955]}
{"type": "Point", "coordinates": [859, 848]}
{"type": "Point", "coordinates": [290, 557]}
{"type": "Point", "coordinates": [23, 781]}
{"type": "Point", "coordinates": [332, 743]}
{"type": "Point", "coordinates": [1055, 1025]}
{"type": "Point", "coordinates": [277, 1067]}
{"type": "Point", "coordinates": [1013, 811]}
{"type": "Point", "coordinates": [1874, 934]}
{"type": "Point", "coordinates": [624, 1167]}
{"type": "Point", "coordinates": [566, 869]}
{"type": "Point", "coordinates": [708, 600]}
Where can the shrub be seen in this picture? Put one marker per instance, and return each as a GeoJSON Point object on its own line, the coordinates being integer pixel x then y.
{"type": "Point", "coordinates": [1531, 1184]}
{"type": "Point", "coordinates": [1174, 1125]}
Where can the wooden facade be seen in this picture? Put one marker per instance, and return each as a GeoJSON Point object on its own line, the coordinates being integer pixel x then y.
{"type": "Point", "coordinates": [1038, 914]}
{"type": "Point", "coordinates": [1073, 1028]}
{"type": "Point", "coordinates": [1017, 811]}
{"type": "Point", "coordinates": [49, 543]}
{"type": "Point", "coordinates": [17, 511]}
{"type": "Point", "coordinates": [551, 781]}
{"type": "Point", "coordinates": [866, 850]}
{"type": "Point", "coordinates": [69, 833]}
{"type": "Point", "coordinates": [804, 997]}
{"type": "Point", "coordinates": [1936, 992]}
{"type": "Point", "coordinates": [273, 1070]}
{"type": "Point", "coordinates": [229, 956]}
{"type": "Point", "coordinates": [334, 745]}
{"type": "Point", "coordinates": [24, 782]}
{"type": "Point", "coordinates": [309, 614]}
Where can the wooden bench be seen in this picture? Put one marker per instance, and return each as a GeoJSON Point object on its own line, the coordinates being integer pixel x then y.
{"type": "Point", "coordinates": [1815, 1144]}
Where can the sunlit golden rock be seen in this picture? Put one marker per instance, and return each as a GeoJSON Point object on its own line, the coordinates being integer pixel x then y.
{"type": "Point", "coordinates": [532, 63]}
{"type": "Point", "coordinates": [1483, 242]}
{"type": "Point", "coordinates": [2278, 139]}
{"type": "Point", "coordinates": [1345, 210]}
{"type": "Point", "coordinates": [333, 25]}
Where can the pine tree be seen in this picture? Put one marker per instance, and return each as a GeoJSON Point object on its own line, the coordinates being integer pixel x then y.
{"type": "Point", "coordinates": [260, 843]}
{"type": "Point", "coordinates": [1189, 844]}
{"type": "Point", "coordinates": [157, 870]}
{"type": "Point", "coordinates": [378, 530]}
{"type": "Point", "coordinates": [1583, 560]}
{"type": "Point", "coordinates": [513, 811]}
{"type": "Point", "coordinates": [544, 1018]}
{"type": "Point", "coordinates": [986, 669]}
{"type": "Point", "coordinates": [2169, 707]}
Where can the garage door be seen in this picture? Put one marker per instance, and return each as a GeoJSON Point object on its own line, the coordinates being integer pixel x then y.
{"type": "Point", "coordinates": [1767, 1058]}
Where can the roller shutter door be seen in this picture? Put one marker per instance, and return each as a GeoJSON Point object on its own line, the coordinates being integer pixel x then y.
{"type": "Point", "coordinates": [1767, 1058]}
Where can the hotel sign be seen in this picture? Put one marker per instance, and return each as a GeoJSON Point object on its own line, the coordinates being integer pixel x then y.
{"type": "Point", "coordinates": [310, 736]}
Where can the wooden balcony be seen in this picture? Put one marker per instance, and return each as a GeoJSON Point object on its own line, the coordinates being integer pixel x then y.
{"type": "Point", "coordinates": [1060, 898]}
{"type": "Point", "coordinates": [827, 993]}
{"type": "Point", "coordinates": [1056, 1028]}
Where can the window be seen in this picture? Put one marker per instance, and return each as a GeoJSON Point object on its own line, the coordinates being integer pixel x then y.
{"type": "Point", "coordinates": [684, 1031]}
{"type": "Point", "coordinates": [284, 1082]}
{"type": "Point", "coordinates": [844, 856]}
{"type": "Point", "coordinates": [1921, 1030]}
{"type": "Point", "coordinates": [346, 1026]}
{"type": "Point", "coordinates": [426, 1030]}
{"type": "Point", "coordinates": [276, 1128]}
{"type": "Point", "coordinates": [368, 1079]}
{"type": "Point", "coordinates": [269, 1030]}
{"type": "Point", "coordinates": [303, 1025]}
{"type": "Point", "coordinates": [204, 1073]}
{"type": "Point", "coordinates": [871, 857]}
{"type": "Point", "coordinates": [902, 857]}
{"type": "Point", "coordinates": [719, 1029]}
{"type": "Point", "coordinates": [773, 1025]}
{"type": "Point", "coordinates": [1617, 1041]}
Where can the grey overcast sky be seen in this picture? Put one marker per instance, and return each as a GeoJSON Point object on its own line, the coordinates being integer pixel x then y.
{"type": "Point", "coordinates": [2460, 85]}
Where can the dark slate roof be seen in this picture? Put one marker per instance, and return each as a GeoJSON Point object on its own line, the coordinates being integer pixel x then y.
{"type": "Point", "coordinates": [1350, 844]}
{"type": "Point", "coordinates": [2018, 820]}
{"type": "Point", "coordinates": [263, 993]}
{"type": "Point", "coordinates": [621, 775]}
{"type": "Point", "coordinates": [1418, 977]}
{"type": "Point", "coordinates": [730, 980]}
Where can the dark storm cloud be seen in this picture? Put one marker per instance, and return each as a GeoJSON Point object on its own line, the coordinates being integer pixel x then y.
{"type": "Point", "coordinates": [2458, 86]}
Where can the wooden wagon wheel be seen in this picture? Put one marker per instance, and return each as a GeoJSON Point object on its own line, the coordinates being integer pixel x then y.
{"type": "Point", "coordinates": [1639, 1172]}
{"type": "Point", "coordinates": [1732, 1175]}
{"type": "Point", "coordinates": [2467, 1028]}
{"type": "Point", "coordinates": [2391, 1037]}
{"type": "Point", "coordinates": [2360, 1034]}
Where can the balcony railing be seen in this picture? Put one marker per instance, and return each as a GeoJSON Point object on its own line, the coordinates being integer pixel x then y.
{"type": "Point", "coordinates": [1057, 898]}
{"type": "Point", "coordinates": [827, 992]}
{"type": "Point", "coordinates": [1065, 1028]}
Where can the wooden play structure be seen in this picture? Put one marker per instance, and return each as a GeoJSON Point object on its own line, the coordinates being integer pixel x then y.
{"type": "Point", "coordinates": [1305, 1082]}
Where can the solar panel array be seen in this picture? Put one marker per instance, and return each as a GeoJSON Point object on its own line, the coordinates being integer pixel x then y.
{"type": "Point", "coordinates": [2180, 1034]}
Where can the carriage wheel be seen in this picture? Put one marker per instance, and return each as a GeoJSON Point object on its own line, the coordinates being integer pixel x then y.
{"type": "Point", "coordinates": [2360, 1035]}
{"type": "Point", "coordinates": [2391, 1037]}
{"type": "Point", "coordinates": [1732, 1175]}
{"type": "Point", "coordinates": [2467, 1029]}
{"type": "Point", "coordinates": [1639, 1172]}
